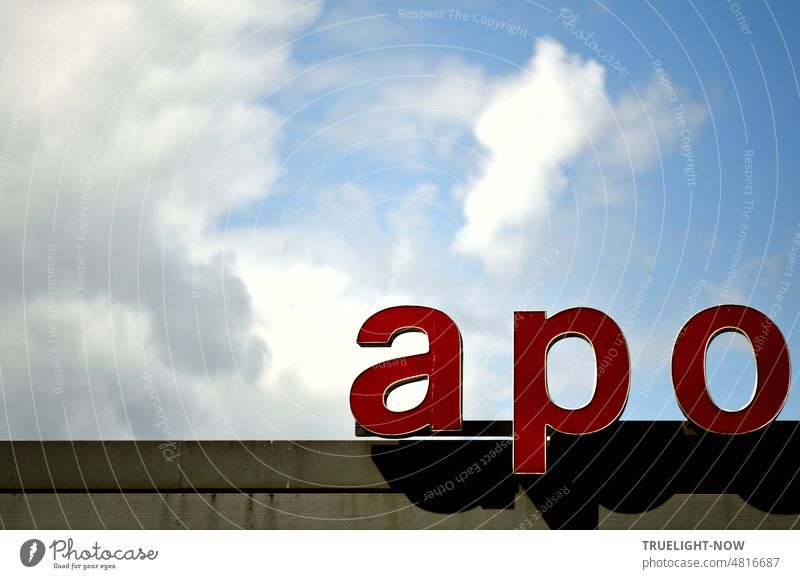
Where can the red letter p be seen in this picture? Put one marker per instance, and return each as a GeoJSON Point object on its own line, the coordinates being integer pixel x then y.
{"type": "Point", "coordinates": [441, 408]}
{"type": "Point", "coordinates": [534, 410]}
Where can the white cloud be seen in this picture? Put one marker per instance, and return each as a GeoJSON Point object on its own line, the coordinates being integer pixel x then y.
{"type": "Point", "coordinates": [555, 113]}
{"type": "Point", "coordinates": [537, 120]}
{"type": "Point", "coordinates": [310, 316]}
{"type": "Point", "coordinates": [133, 129]}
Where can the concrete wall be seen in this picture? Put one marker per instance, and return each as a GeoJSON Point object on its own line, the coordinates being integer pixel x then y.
{"type": "Point", "coordinates": [328, 484]}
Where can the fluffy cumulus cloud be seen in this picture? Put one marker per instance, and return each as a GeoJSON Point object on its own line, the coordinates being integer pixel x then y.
{"type": "Point", "coordinates": [554, 113]}
{"type": "Point", "coordinates": [131, 130]}
{"type": "Point", "coordinates": [537, 120]}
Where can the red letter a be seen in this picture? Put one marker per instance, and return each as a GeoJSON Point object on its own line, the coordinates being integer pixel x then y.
{"type": "Point", "coordinates": [441, 408]}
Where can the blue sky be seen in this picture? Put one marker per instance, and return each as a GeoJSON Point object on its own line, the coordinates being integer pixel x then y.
{"type": "Point", "coordinates": [259, 180]}
{"type": "Point", "coordinates": [739, 91]}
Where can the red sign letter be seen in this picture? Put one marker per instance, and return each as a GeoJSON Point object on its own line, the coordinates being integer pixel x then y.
{"type": "Point", "coordinates": [441, 408]}
{"type": "Point", "coordinates": [534, 334]}
{"type": "Point", "coordinates": [772, 369]}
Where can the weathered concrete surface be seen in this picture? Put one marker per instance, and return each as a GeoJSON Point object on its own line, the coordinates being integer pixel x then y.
{"type": "Point", "coordinates": [246, 511]}
{"type": "Point", "coordinates": [189, 465]}
{"type": "Point", "coordinates": [699, 511]}
{"type": "Point", "coordinates": [344, 511]}
{"type": "Point", "coordinates": [637, 475]}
